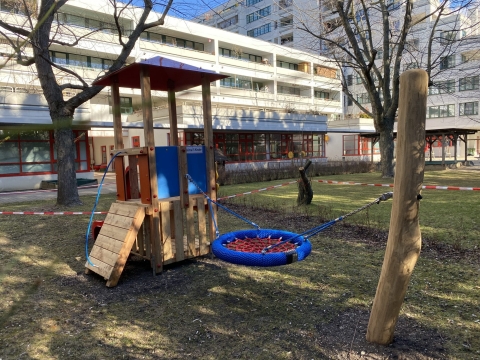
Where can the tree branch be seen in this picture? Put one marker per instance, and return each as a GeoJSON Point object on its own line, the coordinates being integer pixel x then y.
{"type": "Point", "coordinates": [16, 30]}
{"type": "Point", "coordinates": [160, 21]}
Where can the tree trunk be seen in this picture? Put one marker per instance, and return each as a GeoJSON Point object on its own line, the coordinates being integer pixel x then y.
{"type": "Point", "coordinates": [65, 148]}
{"type": "Point", "coordinates": [386, 150]}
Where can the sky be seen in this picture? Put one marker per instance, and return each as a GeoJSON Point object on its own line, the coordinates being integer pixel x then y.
{"type": "Point", "coordinates": [188, 9]}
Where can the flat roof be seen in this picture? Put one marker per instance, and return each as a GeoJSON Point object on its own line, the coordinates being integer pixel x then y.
{"type": "Point", "coordinates": [431, 132]}
{"type": "Point", "coordinates": [165, 74]}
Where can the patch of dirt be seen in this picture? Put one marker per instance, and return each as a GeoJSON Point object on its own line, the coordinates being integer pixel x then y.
{"type": "Point", "coordinates": [412, 341]}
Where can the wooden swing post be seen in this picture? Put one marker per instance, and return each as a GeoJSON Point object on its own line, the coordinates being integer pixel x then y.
{"type": "Point", "coordinates": [404, 238]}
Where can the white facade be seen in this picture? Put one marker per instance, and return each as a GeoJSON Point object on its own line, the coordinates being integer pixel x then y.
{"type": "Point", "coordinates": [454, 95]}
{"type": "Point", "coordinates": [456, 108]}
{"type": "Point", "coordinates": [258, 98]}
{"type": "Point", "coordinates": [270, 20]}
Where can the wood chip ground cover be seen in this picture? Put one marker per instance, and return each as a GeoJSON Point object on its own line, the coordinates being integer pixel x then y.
{"type": "Point", "coordinates": [208, 309]}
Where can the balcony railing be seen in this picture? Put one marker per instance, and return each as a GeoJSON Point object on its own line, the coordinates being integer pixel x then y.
{"type": "Point", "coordinates": [283, 4]}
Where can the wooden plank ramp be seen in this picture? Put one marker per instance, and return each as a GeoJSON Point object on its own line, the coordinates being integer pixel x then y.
{"type": "Point", "coordinates": [115, 240]}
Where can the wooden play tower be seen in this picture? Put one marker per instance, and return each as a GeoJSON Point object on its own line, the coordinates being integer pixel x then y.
{"type": "Point", "coordinates": [143, 221]}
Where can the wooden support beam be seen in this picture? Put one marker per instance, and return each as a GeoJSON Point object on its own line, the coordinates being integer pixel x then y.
{"type": "Point", "coordinates": [132, 151]}
{"type": "Point", "coordinates": [404, 238]}
{"type": "Point", "coordinates": [133, 177]}
{"type": "Point", "coordinates": [120, 179]}
{"type": "Point", "coordinates": [210, 150]}
{"type": "Point", "coordinates": [117, 116]}
{"type": "Point", "coordinates": [155, 239]}
{"type": "Point", "coordinates": [144, 179]}
{"type": "Point", "coordinates": [172, 114]}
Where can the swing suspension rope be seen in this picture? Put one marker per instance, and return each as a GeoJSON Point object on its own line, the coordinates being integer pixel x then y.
{"type": "Point", "coordinates": [253, 244]}
{"type": "Point", "coordinates": [210, 201]}
{"type": "Point", "coordinates": [95, 206]}
{"type": "Point", "coordinates": [313, 231]}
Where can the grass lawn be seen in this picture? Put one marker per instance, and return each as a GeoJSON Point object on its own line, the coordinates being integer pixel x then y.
{"type": "Point", "coordinates": [208, 309]}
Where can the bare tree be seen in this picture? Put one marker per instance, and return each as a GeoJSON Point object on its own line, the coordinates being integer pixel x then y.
{"type": "Point", "coordinates": [31, 36]}
{"type": "Point", "coordinates": [374, 41]}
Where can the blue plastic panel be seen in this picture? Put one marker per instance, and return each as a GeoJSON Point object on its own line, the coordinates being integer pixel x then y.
{"type": "Point", "coordinates": [167, 170]}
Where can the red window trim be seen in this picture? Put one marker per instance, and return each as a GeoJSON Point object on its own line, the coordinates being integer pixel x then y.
{"type": "Point", "coordinates": [52, 161]}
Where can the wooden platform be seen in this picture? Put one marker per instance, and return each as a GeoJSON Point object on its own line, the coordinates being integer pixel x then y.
{"type": "Point", "coordinates": [115, 240]}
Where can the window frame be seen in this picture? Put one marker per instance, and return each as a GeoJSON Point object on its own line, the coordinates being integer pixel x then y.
{"type": "Point", "coordinates": [469, 83]}
{"type": "Point", "coordinates": [473, 111]}
{"type": "Point", "coordinates": [82, 153]}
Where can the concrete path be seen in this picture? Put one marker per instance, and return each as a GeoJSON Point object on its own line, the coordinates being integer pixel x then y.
{"type": "Point", "coordinates": [36, 195]}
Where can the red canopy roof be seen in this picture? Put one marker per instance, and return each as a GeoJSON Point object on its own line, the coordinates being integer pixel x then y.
{"type": "Point", "coordinates": [162, 71]}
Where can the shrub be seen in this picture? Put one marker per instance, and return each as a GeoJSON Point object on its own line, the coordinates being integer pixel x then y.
{"type": "Point", "coordinates": [290, 170]}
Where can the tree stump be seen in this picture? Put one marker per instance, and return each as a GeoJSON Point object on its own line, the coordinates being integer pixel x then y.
{"type": "Point", "coordinates": [305, 192]}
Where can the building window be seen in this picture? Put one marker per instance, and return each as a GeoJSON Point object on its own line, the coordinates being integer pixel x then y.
{"type": "Point", "coordinates": [286, 39]}
{"type": "Point", "coordinates": [446, 37]}
{"type": "Point", "coordinates": [360, 15]}
{"type": "Point", "coordinates": [252, 2]}
{"type": "Point", "coordinates": [28, 153]}
{"type": "Point", "coordinates": [355, 145]}
{"type": "Point", "coordinates": [245, 147]}
{"type": "Point", "coordinates": [266, 28]}
{"type": "Point", "coordinates": [363, 98]}
{"type": "Point", "coordinates": [469, 108]}
{"type": "Point", "coordinates": [287, 90]}
{"type": "Point", "coordinates": [393, 5]}
{"type": "Point", "coordinates": [172, 41]}
{"type": "Point", "coordinates": [258, 14]}
{"type": "Point", "coordinates": [236, 82]}
{"type": "Point", "coordinates": [447, 62]}
{"type": "Point", "coordinates": [282, 4]}
{"type": "Point", "coordinates": [468, 83]}
{"type": "Point", "coordinates": [229, 22]}
{"type": "Point", "coordinates": [321, 94]}
{"type": "Point", "coordinates": [238, 54]}
{"type": "Point", "coordinates": [441, 111]}
{"type": "Point", "coordinates": [349, 80]}
{"type": "Point", "coordinates": [442, 87]}
{"type": "Point", "coordinates": [66, 59]}
{"type": "Point", "coordinates": [92, 24]}
{"type": "Point", "coordinates": [125, 105]}
{"type": "Point", "coordinates": [287, 65]}
{"type": "Point", "coordinates": [349, 101]}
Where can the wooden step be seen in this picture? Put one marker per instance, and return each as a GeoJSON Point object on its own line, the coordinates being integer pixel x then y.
{"type": "Point", "coordinates": [115, 240]}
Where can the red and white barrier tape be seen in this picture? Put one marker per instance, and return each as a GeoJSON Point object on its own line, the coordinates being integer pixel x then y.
{"type": "Point", "coordinates": [52, 213]}
{"type": "Point", "coordinates": [256, 191]}
{"type": "Point", "coordinates": [429, 187]}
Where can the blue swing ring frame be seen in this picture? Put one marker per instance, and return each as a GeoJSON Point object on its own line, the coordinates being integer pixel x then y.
{"type": "Point", "coordinates": [302, 250]}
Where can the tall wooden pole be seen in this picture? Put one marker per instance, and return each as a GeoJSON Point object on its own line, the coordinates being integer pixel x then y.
{"type": "Point", "coordinates": [117, 116]}
{"type": "Point", "coordinates": [119, 164]}
{"type": "Point", "coordinates": [153, 219]}
{"type": "Point", "coordinates": [172, 114]}
{"type": "Point", "coordinates": [210, 150]}
{"type": "Point", "coordinates": [404, 238]}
